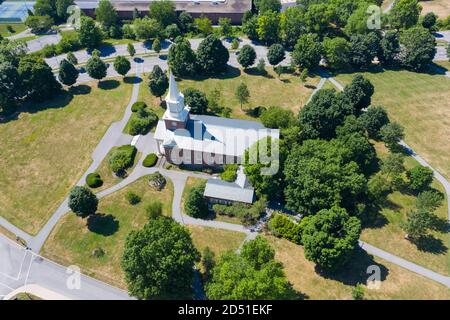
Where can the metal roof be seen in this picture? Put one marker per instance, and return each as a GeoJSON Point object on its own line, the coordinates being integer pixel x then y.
{"type": "Point", "coordinates": [216, 188]}
{"type": "Point", "coordinates": [216, 135]}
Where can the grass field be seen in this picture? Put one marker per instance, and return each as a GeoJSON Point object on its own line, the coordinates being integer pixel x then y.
{"type": "Point", "coordinates": [440, 7]}
{"type": "Point", "coordinates": [385, 232]}
{"type": "Point", "coordinates": [108, 177]}
{"type": "Point", "coordinates": [266, 91]}
{"type": "Point", "coordinates": [218, 240]}
{"type": "Point", "coordinates": [47, 147]}
{"type": "Point", "coordinates": [421, 103]}
{"type": "Point", "coordinates": [396, 282]}
{"type": "Point", "coordinates": [17, 28]}
{"type": "Point", "coordinates": [73, 239]}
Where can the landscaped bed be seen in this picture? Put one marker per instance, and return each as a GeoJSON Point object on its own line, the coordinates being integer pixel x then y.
{"type": "Point", "coordinates": [108, 177]}
{"type": "Point", "coordinates": [47, 147]}
{"type": "Point", "coordinates": [74, 240]}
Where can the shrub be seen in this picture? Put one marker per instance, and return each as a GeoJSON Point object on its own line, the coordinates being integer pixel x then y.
{"type": "Point", "coordinates": [420, 177]}
{"type": "Point", "coordinates": [122, 158]}
{"type": "Point", "coordinates": [358, 292]}
{"type": "Point", "coordinates": [154, 209]}
{"type": "Point", "coordinates": [132, 198]}
{"type": "Point", "coordinates": [93, 180]}
{"type": "Point", "coordinates": [282, 226]}
{"type": "Point", "coordinates": [138, 105]}
{"type": "Point", "coordinates": [150, 160]}
{"type": "Point", "coordinates": [157, 181]}
{"type": "Point", "coordinates": [98, 252]}
{"type": "Point", "coordinates": [230, 172]}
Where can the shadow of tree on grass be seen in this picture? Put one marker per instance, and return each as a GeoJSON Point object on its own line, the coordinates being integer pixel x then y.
{"type": "Point", "coordinates": [108, 84]}
{"type": "Point", "coordinates": [430, 244]}
{"type": "Point", "coordinates": [356, 270]}
{"type": "Point", "coordinates": [104, 224]}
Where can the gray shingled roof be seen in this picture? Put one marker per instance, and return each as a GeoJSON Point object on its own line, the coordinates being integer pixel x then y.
{"type": "Point", "coordinates": [216, 188]}
{"type": "Point", "coordinates": [216, 135]}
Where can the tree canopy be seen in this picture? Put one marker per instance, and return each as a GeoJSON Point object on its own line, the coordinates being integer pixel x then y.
{"type": "Point", "coordinates": [252, 275]}
{"type": "Point", "coordinates": [212, 56]}
{"type": "Point", "coordinates": [330, 237]}
{"type": "Point", "coordinates": [182, 59]}
{"type": "Point", "coordinates": [82, 201]}
{"type": "Point", "coordinates": [158, 260]}
{"type": "Point", "coordinates": [320, 174]}
{"type": "Point", "coordinates": [158, 81]}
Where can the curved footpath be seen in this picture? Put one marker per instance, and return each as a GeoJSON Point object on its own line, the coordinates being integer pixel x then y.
{"type": "Point", "coordinates": [19, 267]}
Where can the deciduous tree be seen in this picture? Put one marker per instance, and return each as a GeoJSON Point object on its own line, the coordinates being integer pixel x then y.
{"type": "Point", "coordinates": [171, 275]}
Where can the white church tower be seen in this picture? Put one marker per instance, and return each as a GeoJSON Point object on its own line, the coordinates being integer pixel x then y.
{"type": "Point", "coordinates": [177, 114]}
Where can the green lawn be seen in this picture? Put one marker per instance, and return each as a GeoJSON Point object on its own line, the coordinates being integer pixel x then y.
{"type": "Point", "coordinates": [396, 282]}
{"type": "Point", "coordinates": [46, 148]}
{"type": "Point", "coordinates": [385, 232]}
{"type": "Point", "coordinates": [74, 239]}
{"type": "Point", "coordinates": [265, 91]}
{"type": "Point", "coordinates": [17, 28]}
{"type": "Point", "coordinates": [421, 103]}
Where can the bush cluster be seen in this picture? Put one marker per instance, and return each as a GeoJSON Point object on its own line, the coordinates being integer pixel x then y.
{"type": "Point", "coordinates": [248, 214]}
{"type": "Point", "coordinates": [230, 172]}
{"type": "Point", "coordinates": [122, 158]}
{"type": "Point", "coordinates": [282, 226]}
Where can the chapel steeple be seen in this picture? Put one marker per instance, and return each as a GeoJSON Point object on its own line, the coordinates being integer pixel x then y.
{"type": "Point", "coordinates": [177, 113]}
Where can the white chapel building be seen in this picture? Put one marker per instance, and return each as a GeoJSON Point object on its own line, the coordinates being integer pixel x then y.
{"type": "Point", "coordinates": [185, 138]}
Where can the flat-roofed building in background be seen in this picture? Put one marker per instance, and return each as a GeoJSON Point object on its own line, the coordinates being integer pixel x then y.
{"type": "Point", "coordinates": [213, 9]}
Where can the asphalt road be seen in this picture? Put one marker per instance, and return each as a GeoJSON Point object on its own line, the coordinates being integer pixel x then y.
{"type": "Point", "coordinates": [19, 267]}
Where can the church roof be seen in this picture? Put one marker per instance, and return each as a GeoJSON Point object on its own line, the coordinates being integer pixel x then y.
{"type": "Point", "coordinates": [230, 137]}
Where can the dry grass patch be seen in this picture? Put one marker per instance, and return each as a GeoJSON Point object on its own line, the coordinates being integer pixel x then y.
{"type": "Point", "coordinates": [421, 103]}
{"type": "Point", "coordinates": [287, 92]}
{"type": "Point", "coordinates": [397, 283]}
{"type": "Point", "coordinates": [384, 230]}
{"type": "Point", "coordinates": [218, 240]}
{"type": "Point", "coordinates": [74, 239]}
{"type": "Point", "coordinates": [49, 146]}
{"type": "Point", "coordinates": [440, 7]}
